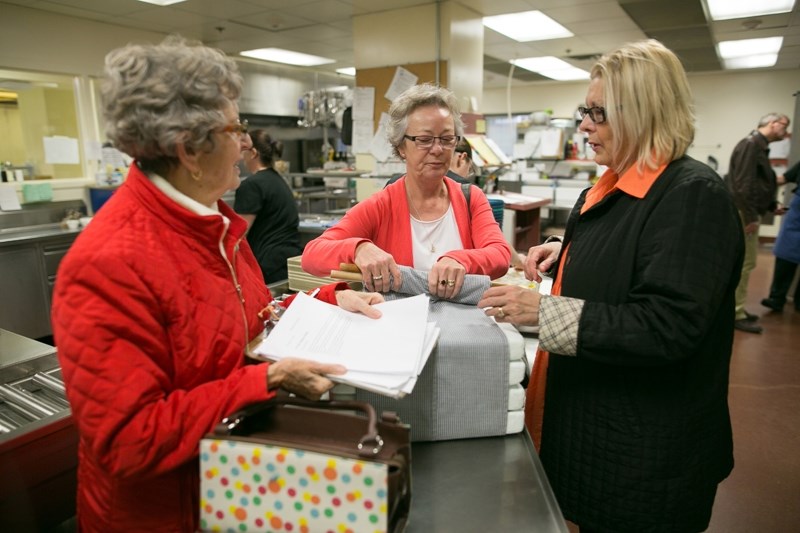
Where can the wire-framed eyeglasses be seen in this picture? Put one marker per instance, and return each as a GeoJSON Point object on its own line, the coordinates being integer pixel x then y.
{"type": "Point", "coordinates": [596, 113]}
{"type": "Point", "coordinates": [239, 128]}
{"type": "Point", "coordinates": [426, 141]}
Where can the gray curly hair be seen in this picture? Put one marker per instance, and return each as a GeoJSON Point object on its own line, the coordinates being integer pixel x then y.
{"type": "Point", "coordinates": [418, 96]}
{"type": "Point", "coordinates": [771, 117]}
{"type": "Point", "coordinates": [155, 96]}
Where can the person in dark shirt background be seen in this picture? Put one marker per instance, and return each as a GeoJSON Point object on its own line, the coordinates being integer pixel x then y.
{"type": "Point", "coordinates": [266, 202]}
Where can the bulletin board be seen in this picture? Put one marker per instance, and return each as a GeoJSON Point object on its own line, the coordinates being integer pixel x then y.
{"type": "Point", "coordinates": [381, 78]}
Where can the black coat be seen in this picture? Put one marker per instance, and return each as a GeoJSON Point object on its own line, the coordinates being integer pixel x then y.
{"type": "Point", "coordinates": [636, 430]}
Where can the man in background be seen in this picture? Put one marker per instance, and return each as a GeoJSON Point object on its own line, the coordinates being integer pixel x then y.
{"type": "Point", "coordinates": [753, 185]}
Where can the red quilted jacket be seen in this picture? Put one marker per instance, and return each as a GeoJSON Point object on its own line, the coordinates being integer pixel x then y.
{"type": "Point", "coordinates": [152, 309]}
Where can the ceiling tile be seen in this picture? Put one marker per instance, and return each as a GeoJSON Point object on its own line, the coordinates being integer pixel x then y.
{"type": "Point", "coordinates": [325, 26]}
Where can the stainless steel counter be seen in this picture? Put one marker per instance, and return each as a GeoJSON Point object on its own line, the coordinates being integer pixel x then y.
{"type": "Point", "coordinates": [492, 484]}
{"type": "Point", "coordinates": [34, 233]}
{"type": "Point", "coordinates": [38, 441]}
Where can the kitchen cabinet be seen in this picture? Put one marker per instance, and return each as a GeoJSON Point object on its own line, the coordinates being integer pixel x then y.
{"type": "Point", "coordinates": [28, 269]}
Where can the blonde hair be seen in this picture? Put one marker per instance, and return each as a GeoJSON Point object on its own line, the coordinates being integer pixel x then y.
{"type": "Point", "coordinates": [648, 104]}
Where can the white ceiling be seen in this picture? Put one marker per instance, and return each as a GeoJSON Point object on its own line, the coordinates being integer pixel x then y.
{"type": "Point", "coordinates": [324, 27]}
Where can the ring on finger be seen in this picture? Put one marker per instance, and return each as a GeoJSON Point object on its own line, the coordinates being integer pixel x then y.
{"type": "Point", "coordinates": [443, 283]}
{"type": "Point", "coordinates": [451, 282]}
{"type": "Point", "coordinates": [378, 277]}
{"type": "Point", "coordinates": [501, 314]}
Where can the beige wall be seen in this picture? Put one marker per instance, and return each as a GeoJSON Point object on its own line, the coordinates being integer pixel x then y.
{"type": "Point", "coordinates": [464, 36]}
{"type": "Point", "coordinates": [414, 27]}
{"type": "Point", "coordinates": [11, 147]}
{"type": "Point", "coordinates": [36, 40]}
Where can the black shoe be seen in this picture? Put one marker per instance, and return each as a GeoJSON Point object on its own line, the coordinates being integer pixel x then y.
{"type": "Point", "coordinates": [750, 317]}
{"type": "Point", "coordinates": [749, 327]}
{"type": "Point", "coordinates": [772, 304]}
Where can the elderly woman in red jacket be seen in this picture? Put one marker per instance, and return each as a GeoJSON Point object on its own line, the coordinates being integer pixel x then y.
{"type": "Point", "coordinates": [636, 433]}
{"type": "Point", "coordinates": [422, 220]}
{"type": "Point", "coordinates": [157, 300]}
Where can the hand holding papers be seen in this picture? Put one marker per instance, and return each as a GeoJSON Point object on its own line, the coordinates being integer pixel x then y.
{"type": "Point", "coordinates": [383, 355]}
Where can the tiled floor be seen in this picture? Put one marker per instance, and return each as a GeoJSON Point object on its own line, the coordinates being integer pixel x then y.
{"type": "Point", "coordinates": [763, 492]}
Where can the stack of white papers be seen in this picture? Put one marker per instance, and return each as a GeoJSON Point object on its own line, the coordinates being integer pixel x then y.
{"type": "Point", "coordinates": [384, 355]}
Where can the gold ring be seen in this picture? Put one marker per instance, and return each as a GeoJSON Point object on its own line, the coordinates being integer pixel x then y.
{"type": "Point", "coordinates": [501, 314]}
{"type": "Point", "coordinates": [443, 283]}
{"type": "Point", "coordinates": [379, 276]}
{"type": "Point", "coordinates": [451, 282]}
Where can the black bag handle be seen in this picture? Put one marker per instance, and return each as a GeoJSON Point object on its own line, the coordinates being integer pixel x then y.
{"type": "Point", "coordinates": [228, 425]}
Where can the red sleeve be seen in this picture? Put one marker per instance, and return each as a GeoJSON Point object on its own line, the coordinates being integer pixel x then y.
{"type": "Point", "coordinates": [338, 244]}
{"type": "Point", "coordinates": [116, 354]}
{"type": "Point", "coordinates": [327, 293]}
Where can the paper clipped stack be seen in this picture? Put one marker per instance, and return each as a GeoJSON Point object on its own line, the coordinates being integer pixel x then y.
{"type": "Point", "coordinates": [384, 355]}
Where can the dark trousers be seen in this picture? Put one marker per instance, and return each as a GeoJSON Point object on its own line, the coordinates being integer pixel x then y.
{"type": "Point", "coordinates": [781, 282]}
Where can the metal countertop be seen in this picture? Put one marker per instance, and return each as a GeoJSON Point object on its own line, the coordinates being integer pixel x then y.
{"type": "Point", "coordinates": [492, 484]}
{"type": "Point", "coordinates": [34, 233]}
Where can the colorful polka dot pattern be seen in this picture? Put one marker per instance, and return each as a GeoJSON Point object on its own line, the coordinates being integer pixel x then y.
{"type": "Point", "coordinates": [256, 487]}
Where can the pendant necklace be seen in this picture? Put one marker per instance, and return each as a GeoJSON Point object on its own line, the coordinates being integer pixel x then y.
{"type": "Point", "coordinates": [434, 232]}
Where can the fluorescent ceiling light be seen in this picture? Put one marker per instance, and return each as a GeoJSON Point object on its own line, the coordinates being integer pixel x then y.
{"type": "Point", "coordinates": [527, 26]}
{"type": "Point", "coordinates": [347, 71]}
{"type": "Point", "coordinates": [162, 2]}
{"type": "Point", "coordinates": [734, 9]}
{"type": "Point", "coordinates": [279, 55]}
{"type": "Point", "coordinates": [551, 67]}
{"type": "Point", "coordinates": [750, 53]}
{"type": "Point", "coordinates": [755, 61]}
{"type": "Point", "coordinates": [749, 47]}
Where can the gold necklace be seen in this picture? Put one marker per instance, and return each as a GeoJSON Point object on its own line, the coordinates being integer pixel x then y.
{"type": "Point", "coordinates": [435, 232]}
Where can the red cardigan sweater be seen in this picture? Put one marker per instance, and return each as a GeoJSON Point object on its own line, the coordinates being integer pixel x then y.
{"type": "Point", "coordinates": [384, 220]}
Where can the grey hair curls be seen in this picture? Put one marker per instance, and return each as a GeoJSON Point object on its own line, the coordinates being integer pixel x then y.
{"type": "Point", "coordinates": [418, 96]}
{"type": "Point", "coordinates": [770, 118]}
{"type": "Point", "coordinates": [155, 96]}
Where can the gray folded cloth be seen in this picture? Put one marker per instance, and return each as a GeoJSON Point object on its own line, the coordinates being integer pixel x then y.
{"type": "Point", "coordinates": [463, 390]}
{"type": "Point", "coordinates": [416, 282]}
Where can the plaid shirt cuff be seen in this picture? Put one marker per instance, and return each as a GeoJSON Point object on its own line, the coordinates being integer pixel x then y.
{"type": "Point", "coordinates": [558, 324]}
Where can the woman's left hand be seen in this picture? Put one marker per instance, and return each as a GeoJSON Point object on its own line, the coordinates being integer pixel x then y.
{"type": "Point", "coordinates": [512, 304]}
{"type": "Point", "coordinates": [446, 278]}
{"type": "Point", "coordinates": [359, 302]}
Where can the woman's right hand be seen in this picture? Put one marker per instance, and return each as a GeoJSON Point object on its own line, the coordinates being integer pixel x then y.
{"type": "Point", "coordinates": [378, 268]}
{"type": "Point", "coordinates": [541, 259]}
{"type": "Point", "coordinates": [302, 377]}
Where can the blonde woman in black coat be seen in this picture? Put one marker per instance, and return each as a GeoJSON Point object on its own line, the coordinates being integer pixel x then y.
{"type": "Point", "coordinates": [635, 434]}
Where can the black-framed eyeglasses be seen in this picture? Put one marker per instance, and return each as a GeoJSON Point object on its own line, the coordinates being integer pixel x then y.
{"type": "Point", "coordinates": [596, 113]}
{"type": "Point", "coordinates": [426, 141]}
{"type": "Point", "coordinates": [240, 128]}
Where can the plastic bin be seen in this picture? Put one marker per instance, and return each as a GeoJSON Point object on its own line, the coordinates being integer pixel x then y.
{"type": "Point", "coordinates": [99, 196]}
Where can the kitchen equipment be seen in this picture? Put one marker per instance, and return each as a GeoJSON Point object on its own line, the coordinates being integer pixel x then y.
{"type": "Point", "coordinates": [38, 441]}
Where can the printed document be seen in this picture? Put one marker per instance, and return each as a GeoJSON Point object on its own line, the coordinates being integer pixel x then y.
{"type": "Point", "coordinates": [385, 354]}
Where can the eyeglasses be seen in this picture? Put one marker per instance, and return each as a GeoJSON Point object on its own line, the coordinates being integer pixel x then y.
{"type": "Point", "coordinates": [240, 128]}
{"type": "Point", "coordinates": [426, 141]}
{"type": "Point", "coordinates": [784, 124]}
{"type": "Point", "coordinates": [597, 114]}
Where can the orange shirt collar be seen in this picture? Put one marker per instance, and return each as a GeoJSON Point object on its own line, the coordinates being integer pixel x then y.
{"type": "Point", "coordinates": [632, 182]}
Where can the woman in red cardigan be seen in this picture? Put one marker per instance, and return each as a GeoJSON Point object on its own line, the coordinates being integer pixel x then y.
{"type": "Point", "coordinates": [422, 220]}
{"type": "Point", "coordinates": [158, 298]}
